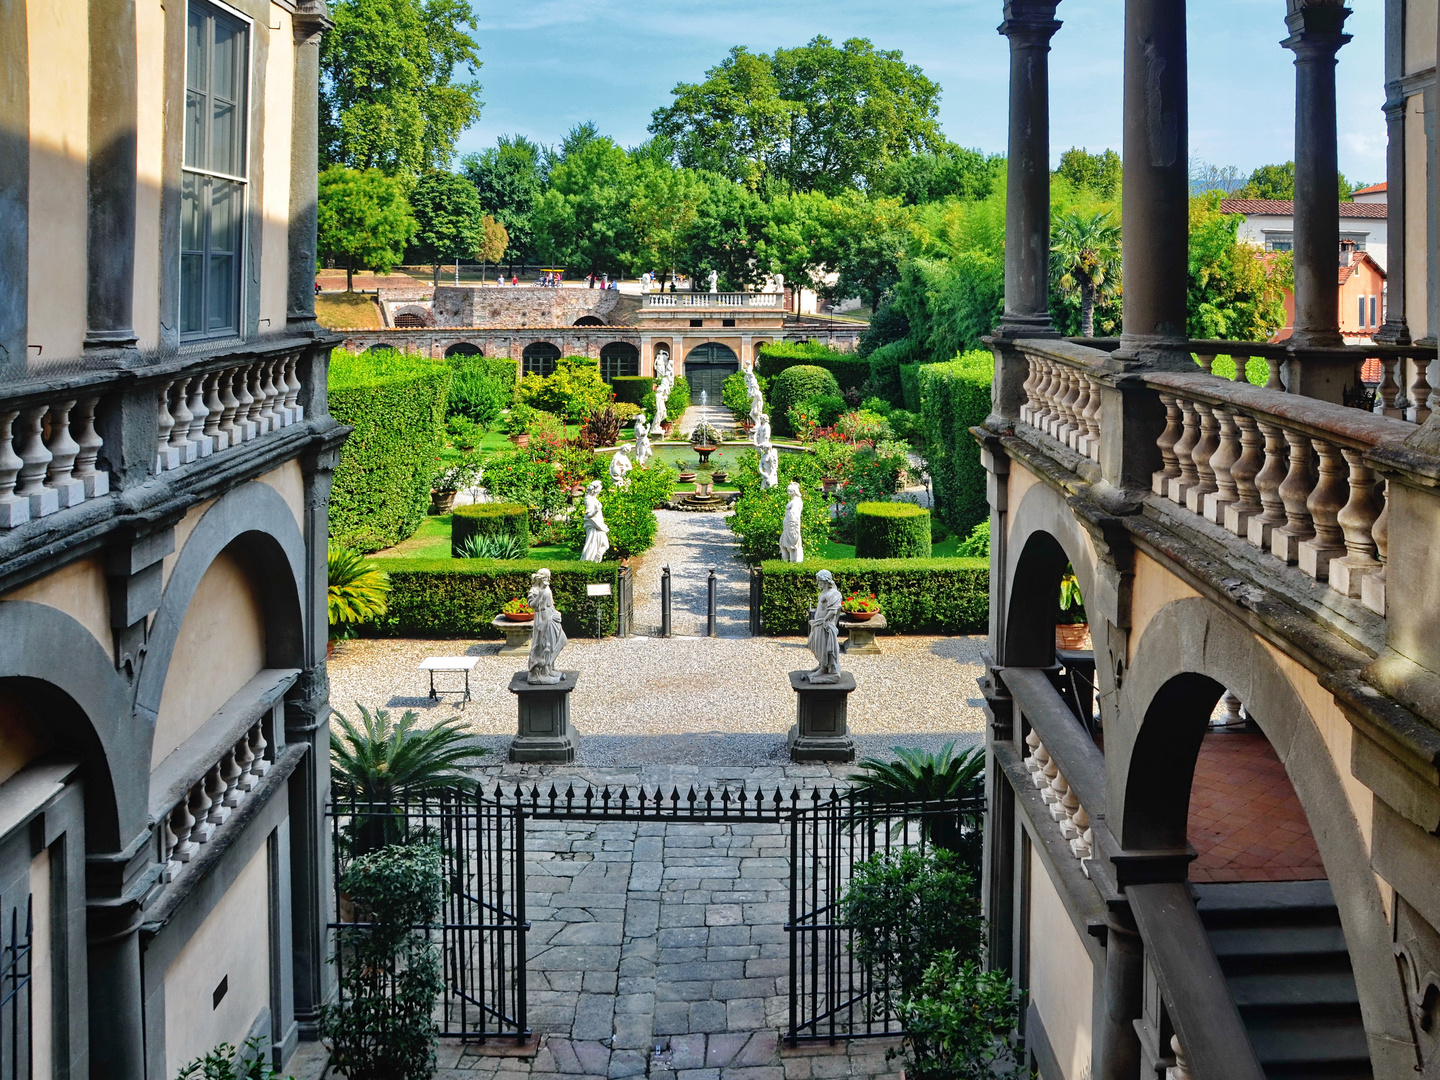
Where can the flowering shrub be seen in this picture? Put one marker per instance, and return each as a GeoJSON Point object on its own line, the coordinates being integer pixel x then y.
{"type": "Point", "coordinates": [518, 606]}
{"type": "Point", "coordinates": [863, 426]}
{"type": "Point", "coordinates": [456, 474]}
{"type": "Point", "coordinates": [860, 604]}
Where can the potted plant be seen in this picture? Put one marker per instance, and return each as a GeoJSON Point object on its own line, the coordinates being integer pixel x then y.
{"type": "Point", "coordinates": [1072, 627]}
{"type": "Point", "coordinates": [720, 474]}
{"type": "Point", "coordinates": [516, 423]}
{"type": "Point", "coordinates": [687, 471]}
{"type": "Point", "coordinates": [705, 439]}
{"type": "Point", "coordinates": [449, 480]}
{"type": "Point", "coordinates": [518, 610]}
{"type": "Point", "coordinates": [861, 607]}
{"type": "Point", "coordinates": [357, 591]}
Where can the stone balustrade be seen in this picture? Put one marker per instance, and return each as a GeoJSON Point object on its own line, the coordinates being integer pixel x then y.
{"type": "Point", "coordinates": [48, 454]}
{"type": "Point", "coordinates": [204, 414]}
{"type": "Point", "coordinates": [1065, 808]}
{"type": "Point", "coordinates": [712, 300]}
{"type": "Point", "coordinates": [1287, 474]}
{"type": "Point", "coordinates": [1062, 399]}
{"type": "Point", "coordinates": [212, 799]}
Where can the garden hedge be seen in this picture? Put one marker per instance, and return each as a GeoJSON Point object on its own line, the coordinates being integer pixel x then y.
{"type": "Point", "coordinates": [443, 598]}
{"type": "Point", "coordinates": [910, 386]}
{"type": "Point", "coordinates": [885, 365]}
{"type": "Point", "coordinates": [794, 385]}
{"type": "Point", "coordinates": [892, 530]}
{"type": "Point", "coordinates": [492, 367]}
{"type": "Point", "coordinates": [632, 388]}
{"type": "Point", "coordinates": [849, 369]}
{"type": "Point", "coordinates": [917, 596]}
{"type": "Point", "coordinates": [396, 404]}
{"type": "Point", "coordinates": [488, 519]}
{"type": "Point", "coordinates": [954, 397]}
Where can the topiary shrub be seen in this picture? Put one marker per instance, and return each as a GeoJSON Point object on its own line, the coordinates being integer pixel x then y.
{"type": "Point", "coordinates": [488, 519]}
{"type": "Point", "coordinates": [954, 397]}
{"type": "Point", "coordinates": [396, 404]}
{"type": "Point", "coordinates": [794, 385]}
{"type": "Point", "coordinates": [632, 389]}
{"type": "Point", "coordinates": [849, 369]}
{"type": "Point", "coordinates": [892, 530]}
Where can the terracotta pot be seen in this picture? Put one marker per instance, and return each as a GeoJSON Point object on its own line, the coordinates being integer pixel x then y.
{"type": "Point", "coordinates": [329, 648]}
{"type": "Point", "coordinates": [521, 441]}
{"type": "Point", "coordinates": [1073, 637]}
{"type": "Point", "coordinates": [720, 476]}
{"type": "Point", "coordinates": [442, 502]}
{"type": "Point", "coordinates": [861, 616]}
{"type": "Point", "coordinates": [686, 477]}
{"type": "Point", "coordinates": [704, 449]}
{"type": "Point", "coordinates": [530, 617]}
{"type": "Point", "coordinates": [830, 483]}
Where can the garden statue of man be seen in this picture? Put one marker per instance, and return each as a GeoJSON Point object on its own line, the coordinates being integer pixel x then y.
{"type": "Point", "coordinates": [548, 637]}
{"type": "Point", "coordinates": [642, 441]}
{"type": "Point", "coordinates": [620, 469]}
{"type": "Point", "coordinates": [824, 640]}
{"type": "Point", "coordinates": [791, 547]}
{"type": "Point", "coordinates": [597, 533]}
{"type": "Point", "coordinates": [761, 435]}
{"type": "Point", "coordinates": [769, 468]}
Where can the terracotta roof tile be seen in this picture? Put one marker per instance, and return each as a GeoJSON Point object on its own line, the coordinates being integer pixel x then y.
{"type": "Point", "coordinates": [1373, 189]}
{"type": "Point", "coordinates": [1286, 208]}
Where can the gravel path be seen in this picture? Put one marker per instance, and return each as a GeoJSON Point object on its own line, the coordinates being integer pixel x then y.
{"type": "Point", "coordinates": [690, 544]}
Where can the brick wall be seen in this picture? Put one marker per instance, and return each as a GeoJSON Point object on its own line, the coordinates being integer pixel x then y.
{"type": "Point", "coordinates": [528, 306]}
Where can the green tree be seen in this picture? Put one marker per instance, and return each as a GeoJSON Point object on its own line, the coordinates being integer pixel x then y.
{"type": "Point", "coordinates": [449, 218]}
{"type": "Point", "coordinates": [951, 172]}
{"type": "Point", "coordinates": [492, 246]}
{"type": "Point", "coordinates": [363, 216]}
{"type": "Point", "coordinates": [1278, 182]}
{"type": "Point", "coordinates": [387, 95]}
{"type": "Point", "coordinates": [728, 236]}
{"type": "Point", "coordinates": [582, 220]}
{"type": "Point", "coordinates": [1101, 173]}
{"type": "Point", "coordinates": [1085, 249]}
{"type": "Point", "coordinates": [510, 176]}
{"type": "Point", "coordinates": [1236, 291]}
{"type": "Point", "coordinates": [664, 208]}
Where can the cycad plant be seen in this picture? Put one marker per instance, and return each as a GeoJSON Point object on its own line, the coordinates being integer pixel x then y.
{"type": "Point", "coordinates": [1086, 250]}
{"type": "Point", "coordinates": [358, 590]}
{"type": "Point", "coordinates": [917, 778]}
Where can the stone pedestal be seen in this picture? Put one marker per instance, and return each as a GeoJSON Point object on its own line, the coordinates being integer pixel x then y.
{"type": "Point", "coordinates": [860, 638]}
{"type": "Point", "coordinates": [821, 731]}
{"type": "Point", "coordinates": [544, 733]}
{"type": "Point", "coordinates": [517, 636]}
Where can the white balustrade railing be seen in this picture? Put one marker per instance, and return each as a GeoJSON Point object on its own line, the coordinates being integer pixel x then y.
{"type": "Point", "coordinates": [205, 414]}
{"type": "Point", "coordinates": [48, 456]}
{"type": "Point", "coordinates": [1063, 401]}
{"type": "Point", "coordinates": [1064, 807]}
{"type": "Point", "coordinates": [716, 299]}
{"type": "Point", "coordinates": [212, 799]}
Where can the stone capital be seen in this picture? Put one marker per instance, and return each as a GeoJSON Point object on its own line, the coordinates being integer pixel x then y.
{"type": "Point", "coordinates": [1317, 31]}
{"type": "Point", "coordinates": [1029, 22]}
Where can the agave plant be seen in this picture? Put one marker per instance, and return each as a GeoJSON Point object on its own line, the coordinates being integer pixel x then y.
{"type": "Point", "coordinates": [495, 546]}
{"type": "Point", "coordinates": [358, 590]}
{"type": "Point", "coordinates": [918, 779]}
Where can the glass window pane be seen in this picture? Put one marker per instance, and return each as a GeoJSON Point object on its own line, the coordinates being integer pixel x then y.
{"type": "Point", "coordinates": [192, 294]}
{"type": "Point", "coordinates": [223, 144]}
{"type": "Point", "coordinates": [194, 129]}
{"type": "Point", "coordinates": [229, 39]}
{"type": "Point", "coordinates": [221, 290]}
{"type": "Point", "coordinates": [195, 50]}
{"type": "Point", "coordinates": [225, 204]}
{"type": "Point", "coordinates": [192, 226]}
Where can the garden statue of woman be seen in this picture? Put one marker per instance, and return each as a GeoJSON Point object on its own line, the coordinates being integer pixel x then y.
{"type": "Point", "coordinates": [769, 467]}
{"type": "Point", "coordinates": [548, 638]}
{"type": "Point", "coordinates": [597, 533]}
{"type": "Point", "coordinates": [642, 440]}
{"type": "Point", "coordinates": [824, 640]}
{"type": "Point", "coordinates": [620, 469]}
{"type": "Point", "coordinates": [714, 281]}
{"type": "Point", "coordinates": [761, 435]}
{"type": "Point", "coordinates": [791, 547]}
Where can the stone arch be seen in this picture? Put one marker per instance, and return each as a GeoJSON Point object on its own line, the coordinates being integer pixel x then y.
{"type": "Point", "coordinates": [412, 315]}
{"type": "Point", "coordinates": [589, 320]}
{"type": "Point", "coordinates": [538, 358]}
{"type": "Point", "coordinates": [87, 706]}
{"type": "Point", "coordinates": [383, 346]}
{"type": "Point", "coordinates": [464, 348]}
{"type": "Point", "coordinates": [1043, 536]}
{"type": "Point", "coordinates": [256, 523]}
{"type": "Point", "coordinates": [618, 359]}
{"type": "Point", "coordinates": [1188, 653]}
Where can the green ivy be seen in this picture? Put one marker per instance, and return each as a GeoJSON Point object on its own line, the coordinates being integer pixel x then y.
{"type": "Point", "coordinates": [954, 397]}
{"type": "Point", "coordinates": [917, 596]}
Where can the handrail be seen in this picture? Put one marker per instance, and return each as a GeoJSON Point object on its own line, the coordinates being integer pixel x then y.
{"type": "Point", "coordinates": [1197, 999]}
{"type": "Point", "coordinates": [1068, 743]}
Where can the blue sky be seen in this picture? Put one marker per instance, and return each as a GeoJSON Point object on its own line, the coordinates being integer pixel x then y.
{"type": "Point", "coordinates": [549, 64]}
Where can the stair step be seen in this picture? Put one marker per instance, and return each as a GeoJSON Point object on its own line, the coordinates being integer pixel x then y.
{"type": "Point", "coordinates": [1260, 902]}
{"type": "Point", "coordinates": [1279, 943]}
{"type": "Point", "coordinates": [1289, 1043]}
{"type": "Point", "coordinates": [1324, 992]}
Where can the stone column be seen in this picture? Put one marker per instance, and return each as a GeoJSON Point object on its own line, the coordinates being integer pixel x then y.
{"type": "Point", "coordinates": [1029, 24]}
{"type": "Point", "coordinates": [14, 187]}
{"type": "Point", "coordinates": [115, 883]}
{"type": "Point", "coordinates": [1156, 215]}
{"type": "Point", "coordinates": [1395, 330]}
{"type": "Point", "coordinates": [110, 322]}
{"type": "Point", "coordinates": [310, 22]}
{"type": "Point", "coordinates": [1316, 35]}
{"type": "Point", "coordinates": [1118, 1056]}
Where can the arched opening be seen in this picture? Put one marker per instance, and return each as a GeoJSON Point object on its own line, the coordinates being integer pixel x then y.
{"type": "Point", "coordinates": [382, 346]}
{"type": "Point", "coordinates": [1034, 602]}
{"type": "Point", "coordinates": [464, 348]}
{"type": "Point", "coordinates": [617, 359]}
{"type": "Point", "coordinates": [707, 367]}
{"type": "Point", "coordinates": [538, 358]}
{"type": "Point", "coordinates": [409, 319]}
{"type": "Point", "coordinates": [589, 320]}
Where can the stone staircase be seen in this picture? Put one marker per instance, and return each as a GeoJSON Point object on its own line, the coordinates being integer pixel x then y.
{"type": "Point", "coordinates": [1283, 954]}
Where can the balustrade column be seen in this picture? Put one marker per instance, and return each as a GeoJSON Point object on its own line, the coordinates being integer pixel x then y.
{"type": "Point", "coordinates": [1420, 389]}
{"type": "Point", "coordinates": [1357, 520]}
{"type": "Point", "coordinates": [1091, 419]}
{"type": "Point", "coordinates": [1160, 485]}
{"type": "Point", "coordinates": [1389, 388]}
{"type": "Point", "coordinates": [1326, 500]}
{"type": "Point", "coordinates": [96, 481]}
{"type": "Point", "coordinates": [1188, 477]}
{"type": "Point", "coordinates": [1294, 492]}
{"type": "Point", "coordinates": [1260, 530]}
{"type": "Point", "coordinates": [60, 474]}
{"type": "Point", "coordinates": [1243, 473]}
{"type": "Point", "coordinates": [1372, 586]}
{"type": "Point", "coordinates": [14, 509]}
{"type": "Point", "coordinates": [1204, 450]}
{"type": "Point", "coordinates": [35, 462]}
{"type": "Point", "coordinates": [1226, 455]}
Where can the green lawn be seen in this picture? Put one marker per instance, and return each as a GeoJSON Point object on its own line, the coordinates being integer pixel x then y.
{"type": "Point", "coordinates": [943, 549]}
{"type": "Point", "coordinates": [432, 541]}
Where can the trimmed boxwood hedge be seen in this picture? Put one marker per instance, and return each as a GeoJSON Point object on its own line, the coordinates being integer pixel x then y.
{"type": "Point", "coordinates": [954, 397]}
{"type": "Point", "coordinates": [444, 598]}
{"type": "Point", "coordinates": [488, 519]}
{"type": "Point", "coordinates": [917, 596]}
{"type": "Point", "coordinates": [793, 386]}
{"type": "Point", "coordinates": [632, 389]}
{"type": "Point", "coordinates": [492, 367]}
{"type": "Point", "coordinates": [775, 356]}
{"type": "Point", "coordinates": [892, 530]}
{"type": "Point", "coordinates": [910, 386]}
{"type": "Point", "coordinates": [396, 404]}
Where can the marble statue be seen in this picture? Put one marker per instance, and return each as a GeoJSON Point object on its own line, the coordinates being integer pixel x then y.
{"type": "Point", "coordinates": [548, 638]}
{"type": "Point", "coordinates": [824, 640]}
{"type": "Point", "coordinates": [642, 441]}
{"type": "Point", "coordinates": [791, 547]}
{"type": "Point", "coordinates": [714, 281]}
{"type": "Point", "coordinates": [769, 467]}
{"type": "Point", "coordinates": [666, 375]}
{"type": "Point", "coordinates": [597, 533]}
{"type": "Point", "coordinates": [620, 467]}
{"type": "Point", "coordinates": [761, 435]}
{"type": "Point", "coordinates": [660, 391]}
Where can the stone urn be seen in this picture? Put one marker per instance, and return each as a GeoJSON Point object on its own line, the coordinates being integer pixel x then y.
{"type": "Point", "coordinates": [861, 616]}
{"type": "Point", "coordinates": [686, 477]}
{"type": "Point", "coordinates": [720, 476]}
{"type": "Point", "coordinates": [702, 487]}
{"type": "Point", "coordinates": [442, 502]}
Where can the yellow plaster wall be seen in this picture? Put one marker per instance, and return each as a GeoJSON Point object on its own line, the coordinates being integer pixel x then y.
{"type": "Point", "coordinates": [21, 740]}
{"type": "Point", "coordinates": [150, 167]}
{"type": "Point", "coordinates": [220, 648]}
{"type": "Point", "coordinates": [1061, 975]}
{"type": "Point", "coordinates": [42, 964]}
{"type": "Point", "coordinates": [59, 59]}
{"type": "Point", "coordinates": [233, 942]}
{"type": "Point", "coordinates": [1021, 481]}
{"type": "Point", "coordinates": [79, 590]}
{"type": "Point", "coordinates": [1416, 194]}
{"type": "Point", "coordinates": [183, 529]}
{"type": "Point", "coordinates": [289, 481]}
{"type": "Point", "coordinates": [1152, 588]}
{"type": "Point", "coordinates": [275, 218]}
{"type": "Point", "coordinates": [1419, 35]}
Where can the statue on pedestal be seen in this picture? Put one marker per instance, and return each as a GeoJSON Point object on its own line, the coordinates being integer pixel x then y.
{"type": "Point", "coordinates": [620, 467]}
{"type": "Point", "coordinates": [769, 467]}
{"type": "Point", "coordinates": [761, 435]}
{"type": "Point", "coordinates": [824, 640]}
{"type": "Point", "coordinates": [597, 533]}
{"type": "Point", "coordinates": [665, 373]}
{"type": "Point", "coordinates": [792, 549]}
{"type": "Point", "coordinates": [642, 440]}
{"type": "Point", "coordinates": [714, 281]}
{"type": "Point", "coordinates": [549, 637]}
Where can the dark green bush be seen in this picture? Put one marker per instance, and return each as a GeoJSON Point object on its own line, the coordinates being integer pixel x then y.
{"type": "Point", "coordinates": [892, 530]}
{"type": "Point", "coordinates": [794, 385]}
{"type": "Point", "coordinates": [962, 1023]}
{"type": "Point", "coordinates": [910, 386]}
{"type": "Point", "coordinates": [488, 519]}
{"type": "Point", "coordinates": [850, 369]}
{"type": "Point", "coordinates": [918, 596]}
{"type": "Point", "coordinates": [886, 325]}
{"type": "Point", "coordinates": [885, 364]}
{"type": "Point", "coordinates": [479, 393]}
{"type": "Point", "coordinates": [954, 397]}
{"type": "Point", "coordinates": [977, 544]}
{"type": "Point", "coordinates": [735, 396]}
{"type": "Point", "coordinates": [632, 388]}
{"type": "Point", "coordinates": [396, 404]}
{"type": "Point", "coordinates": [630, 518]}
{"type": "Point", "coordinates": [443, 598]}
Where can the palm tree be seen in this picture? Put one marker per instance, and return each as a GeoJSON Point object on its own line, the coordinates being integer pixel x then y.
{"type": "Point", "coordinates": [926, 787]}
{"type": "Point", "coordinates": [358, 590]}
{"type": "Point", "coordinates": [1086, 250]}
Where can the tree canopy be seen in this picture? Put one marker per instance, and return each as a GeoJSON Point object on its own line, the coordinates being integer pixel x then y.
{"type": "Point", "coordinates": [1101, 173]}
{"type": "Point", "coordinates": [450, 220]}
{"type": "Point", "coordinates": [1278, 182]}
{"type": "Point", "coordinates": [363, 217]}
{"type": "Point", "coordinates": [510, 177]}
